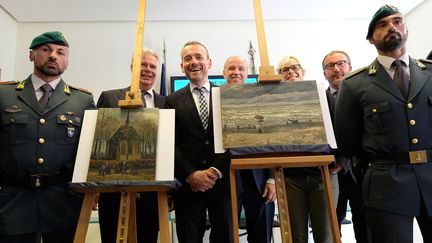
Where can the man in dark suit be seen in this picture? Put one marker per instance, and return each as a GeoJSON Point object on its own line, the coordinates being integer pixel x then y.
{"type": "Point", "coordinates": [383, 115]}
{"type": "Point", "coordinates": [256, 191]}
{"type": "Point", "coordinates": [336, 65]}
{"type": "Point", "coordinates": [203, 174]}
{"type": "Point", "coordinates": [146, 203]}
{"type": "Point", "coordinates": [41, 123]}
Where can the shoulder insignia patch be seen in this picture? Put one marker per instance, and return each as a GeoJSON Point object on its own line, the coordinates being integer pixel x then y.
{"type": "Point", "coordinates": [10, 82]}
{"type": "Point", "coordinates": [76, 88]}
{"type": "Point", "coordinates": [353, 73]}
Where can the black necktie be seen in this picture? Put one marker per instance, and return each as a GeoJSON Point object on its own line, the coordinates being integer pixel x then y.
{"type": "Point", "coordinates": [43, 101]}
{"type": "Point", "coordinates": [143, 94]}
{"type": "Point", "coordinates": [203, 109]}
{"type": "Point", "coordinates": [401, 78]}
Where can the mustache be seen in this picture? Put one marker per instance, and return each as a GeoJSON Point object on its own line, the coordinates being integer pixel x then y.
{"type": "Point", "coordinates": [392, 33]}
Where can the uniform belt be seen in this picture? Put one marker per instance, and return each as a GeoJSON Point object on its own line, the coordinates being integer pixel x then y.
{"type": "Point", "coordinates": [34, 181]}
{"type": "Point", "coordinates": [411, 157]}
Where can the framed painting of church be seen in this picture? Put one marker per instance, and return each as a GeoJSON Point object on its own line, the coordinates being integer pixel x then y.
{"type": "Point", "coordinates": [125, 147]}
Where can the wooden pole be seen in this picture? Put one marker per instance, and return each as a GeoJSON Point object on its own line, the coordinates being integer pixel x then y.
{"type": "Point", "coordinates": [266, 72]}
{"type": "Point", "coordinates": [133, 97]}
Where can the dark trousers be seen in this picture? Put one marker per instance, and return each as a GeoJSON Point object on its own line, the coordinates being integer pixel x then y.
{"type": "Point", "coordinates": [386, 227]}
{"type": "Point", "coordinates": [259, 215]}
{"type": "Point", "coordinates": [351, 191]}
{"type": "Point", "coordinates": [58, 236]}
{"type": "Point", "coordinates": [191, 209]}
{"type": "Point", "coordinates": [147, 217]}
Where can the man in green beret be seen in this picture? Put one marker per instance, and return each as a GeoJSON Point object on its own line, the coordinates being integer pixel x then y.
{"type": "Point", "coordinates": [384, 117]}
{"type": "Point", "coordinates": [39, 133]}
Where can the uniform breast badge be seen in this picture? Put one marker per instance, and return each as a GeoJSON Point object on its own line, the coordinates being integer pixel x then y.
{"type": "Point", "coordinates": [70, 131]}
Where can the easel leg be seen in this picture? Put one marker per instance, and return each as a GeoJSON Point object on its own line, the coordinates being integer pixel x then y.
{"type": "Point", "coordinates": [163, 217]}
{"type": "Point", "coordinates": [86, 209]}
{"type": "Point", "coordinates": [330, 204]}
{"type": "Point", "coordinates": [126, 202]}
{"type": "Point", "coordinates": [132, 229]}
{"type": "Point", "coordinates": [285, 225]}
{"type": "Point", "coordinates": [234, 205]}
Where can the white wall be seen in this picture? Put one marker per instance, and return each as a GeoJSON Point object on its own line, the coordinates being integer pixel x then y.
{"type": "Point", "coordinates": [8, 30]}
{"type": "Point", "coordinates": [420, 38]}
{"type": "Point", "coordinates": [101, 52]}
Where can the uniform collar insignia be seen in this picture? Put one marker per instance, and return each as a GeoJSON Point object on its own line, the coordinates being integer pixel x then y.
{"type": "Point", "coordinates": [372, 70]}
{"type": "Point", "coordinates": [20, 86]}
{"type": "Point", "coordinates": [66, 89]}
{"type": "Point", "coordinates": [421, 65]}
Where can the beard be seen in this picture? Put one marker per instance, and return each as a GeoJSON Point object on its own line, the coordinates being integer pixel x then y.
{"type": "Point", "coordinates": [49, 71]}
{"type": "Point", "coordinates": [391, 42]}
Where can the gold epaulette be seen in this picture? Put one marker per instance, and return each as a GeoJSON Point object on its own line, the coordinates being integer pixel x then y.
{"type": "Point", "coordinates": [79, 89]}
{"type": "Point", "coordinates": [9, 82]}
{"type": "Point", "coordinates": [353, 73]}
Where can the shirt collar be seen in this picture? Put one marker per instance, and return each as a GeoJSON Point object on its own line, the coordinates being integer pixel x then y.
{"type": "Point", "coordinates": [333, 90]}
{"type": "Point", "coordinates": [38, 82]}
{"type": "Point", "coordinates": [149, 92]}
{"type": "Point", "coordinates": [387, 61]}
{"type": "Point", "coordinates": [206, 85]}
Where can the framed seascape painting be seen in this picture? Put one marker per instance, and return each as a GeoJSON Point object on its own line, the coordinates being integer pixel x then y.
{"type": "Point", "coordinates": [275, 117]}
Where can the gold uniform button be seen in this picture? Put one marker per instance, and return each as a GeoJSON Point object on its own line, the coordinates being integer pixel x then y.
{"type": "Point", "coordinates": [374, 110]}
{"type": "Point", "coordinates": [412, 122]}
{"type": "Point", "coordinates": [414, 140]}
{"type": "Point", "coordinates": [42, 121]}
{"type": "Point", "coordinates": [12, 120]}
{"type": "Point", "coordinates": [41, 140]}
{"type": "Point", "coordinates": [40, 161]}
{"type": "Point", "coordinates": [409, 105]}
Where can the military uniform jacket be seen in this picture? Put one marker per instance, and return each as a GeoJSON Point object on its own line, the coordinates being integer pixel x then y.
{"type": "Point", "coordinates": [35, 142]}
{"type": "Point", "coordinates": [373, 119]}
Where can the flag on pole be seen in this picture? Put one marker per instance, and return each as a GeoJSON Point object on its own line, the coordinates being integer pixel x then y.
{"type": "Point", "coordinates": [251, 53]}
{"type": "Point", "coordinates": [162, 89]}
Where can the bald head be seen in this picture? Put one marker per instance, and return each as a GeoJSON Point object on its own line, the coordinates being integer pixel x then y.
{"type": "Point", "coordinates": [235, 70]}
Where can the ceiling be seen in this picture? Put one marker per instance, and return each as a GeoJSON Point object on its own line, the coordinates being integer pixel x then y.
{"type": "Point", "coordinates": [25, 11]}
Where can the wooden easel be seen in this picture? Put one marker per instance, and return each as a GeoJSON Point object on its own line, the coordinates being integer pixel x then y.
{"type": "Point", "coordinates": [277, 164]}
{"type": "Point", "coordinates": [126, 229]}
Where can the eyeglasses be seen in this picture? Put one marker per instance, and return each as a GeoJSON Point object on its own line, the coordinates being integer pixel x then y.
{"type": "Point", "coordinates": [340, 64]}
{"type": "Point", "coordinates": [293, 68]}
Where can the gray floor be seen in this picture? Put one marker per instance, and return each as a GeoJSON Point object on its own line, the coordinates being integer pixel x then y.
{"type": "Point", "coordinates": [347, 233]}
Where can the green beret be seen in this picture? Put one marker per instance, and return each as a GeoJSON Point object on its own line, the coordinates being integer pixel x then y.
{"type": "Point", "coordinates": [54, 37]}
{"type": "Point", "coordinates": [384, 11]}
